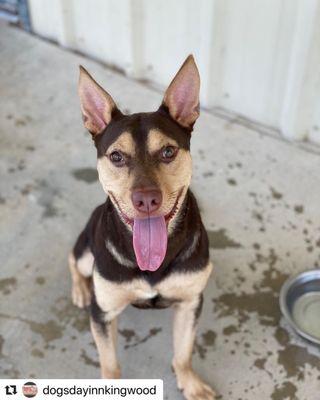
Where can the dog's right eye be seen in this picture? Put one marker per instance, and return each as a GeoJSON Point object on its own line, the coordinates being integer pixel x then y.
{"type": "Point", "coordinates": [116, 158]}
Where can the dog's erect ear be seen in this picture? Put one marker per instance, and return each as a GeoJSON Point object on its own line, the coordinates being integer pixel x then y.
{"type": "Point", "coordinates": [182, 96]}
{"type": "Point", "coordinates": [96, 104]}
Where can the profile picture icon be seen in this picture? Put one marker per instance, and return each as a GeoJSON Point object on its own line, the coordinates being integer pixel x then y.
{"type": "Point", "coordinates": [29, 389]}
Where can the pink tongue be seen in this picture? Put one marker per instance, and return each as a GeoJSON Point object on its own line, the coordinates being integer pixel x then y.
{"type": "Point", "coordinates": [150, 242]}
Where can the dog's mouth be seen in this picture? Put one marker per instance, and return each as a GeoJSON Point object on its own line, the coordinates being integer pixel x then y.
{"type": "Point", "coordinates": [150, 236]}
{"type": "Point", "coordinates": [167, 217]}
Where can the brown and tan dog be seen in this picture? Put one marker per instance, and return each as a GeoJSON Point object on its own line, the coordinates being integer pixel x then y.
{"type": "Point", "coordinates": [146, 245]}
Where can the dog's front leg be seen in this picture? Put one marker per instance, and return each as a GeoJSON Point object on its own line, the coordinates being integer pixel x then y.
{"type": "Point", "coordinates": [105, 337]}
{"type": "Point", "coordinates": [184, 329]}
{"type": "Point", "coordinates": [103, 324]}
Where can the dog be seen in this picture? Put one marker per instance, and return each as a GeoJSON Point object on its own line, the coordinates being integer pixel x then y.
{"type": "Point", "coordinates": [146, 246]}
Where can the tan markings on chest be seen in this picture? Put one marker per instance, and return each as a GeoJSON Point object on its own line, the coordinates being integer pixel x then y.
{"type": "Point", "coordinates": [116, 296]}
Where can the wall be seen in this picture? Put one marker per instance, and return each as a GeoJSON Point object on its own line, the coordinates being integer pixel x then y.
{"type": "Point", "coordinates": [257, 58]}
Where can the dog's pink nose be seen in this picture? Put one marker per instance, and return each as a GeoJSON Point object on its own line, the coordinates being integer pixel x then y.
{"type": "Point", "coordinates": [147, 201]}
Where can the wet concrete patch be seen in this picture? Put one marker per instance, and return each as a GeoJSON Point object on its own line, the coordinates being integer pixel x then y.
{"type": "Point", "coordinates": [260, 363]}
{"type": "Point", "coordinates": [264, 301]}
{"type": "Point", "coordinates": [230, 330]}
{"type": "Point", "coordinates": [232, 182]}
{"type": "Point", "coordinates": [26, 189]}
{"type": "Point", "coordinates": [87, 175]}
{"type": "Point", "coordinates": [294, 358]}
{"type": "Point", "coordinates": [9, 371]}
{"type": "Point", "coordinates": [275, 194]}
{"type": "Point", "coordinates": [46, 198]}
{"type": "Point", "coordinates": [257, 216]}
{"type": "Point", "coordinates": [49, 330]}
{"type": "Point", "coordinates": [30, 148]}
{"type": "Point", "coordinates": [37, 353]}
{"type": "Point", "coordinates": [69, 315]}
{"type": "Point", "coordinates": [209, 338]}
{"type": "Point", "coordinates": [133, 340]}
{"type": "Point", "coordinates": [49, 210]}
{"type": "Point", "coordinates": [88, 360]}
{"type": "Point", "coordinates": [40, 280]}
{"type": "Point", "coordinates": [204, 343]}
{"type": "Point", "coordinates": [264, 304]}
{"type": "Point", "coordinates": [273, 278]}
{"type": "Point", "coordinates": [199, 349]}
{"type": "Point", "coordinates": [284, 391]}
{"type": "Point", "coordinates": [220, 240]}
{"type": "Point", "coordinates": [22, 121]}
{"type": "Point", "coordinates": [7, 285]}
{"type": "Point", "coordinates": [299, 209]}
{"type": "Point", "coordinates": [128, 334]}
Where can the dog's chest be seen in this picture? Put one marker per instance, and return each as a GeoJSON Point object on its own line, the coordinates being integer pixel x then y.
{"type": "Point", "coordinates": [177, 287]}
{"type": "Point", "coordinates": [146, 296]}
{"type": "Point", "coordinates": [155, 302]}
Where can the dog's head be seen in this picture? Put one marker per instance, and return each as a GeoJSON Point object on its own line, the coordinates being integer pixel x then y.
{"type": "Point", "coordinates": [144, 160]}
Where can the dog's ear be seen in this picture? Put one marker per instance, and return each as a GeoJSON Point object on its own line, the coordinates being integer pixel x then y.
{"type": "Point", "coordinates": [97, 105]}
{"type": "Point", "coordinates": [182, 96]}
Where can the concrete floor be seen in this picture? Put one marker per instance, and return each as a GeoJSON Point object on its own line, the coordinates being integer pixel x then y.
{"type": "Point", "coordinates": [260, 202]}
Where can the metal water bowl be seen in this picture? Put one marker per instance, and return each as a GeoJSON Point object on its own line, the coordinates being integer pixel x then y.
{"type": "Point", "coordinates": [300, 304]}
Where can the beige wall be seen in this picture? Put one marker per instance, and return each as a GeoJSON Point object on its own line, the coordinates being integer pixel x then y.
{"type": "Point", "coordinates": [257, 58]}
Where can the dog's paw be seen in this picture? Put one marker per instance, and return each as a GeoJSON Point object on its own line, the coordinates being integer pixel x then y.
{"type": "Point", "coordinates": [81, 294]}
{"type": "Point", "coordinates": [110, 374]}
{"type": "Point", "coordinates": [202, 391]}
{"type": "Point", "coordinates": [193, 387]}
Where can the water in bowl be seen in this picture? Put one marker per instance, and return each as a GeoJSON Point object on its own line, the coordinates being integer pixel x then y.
{"type": "Point", "coordinates": [306, 313]}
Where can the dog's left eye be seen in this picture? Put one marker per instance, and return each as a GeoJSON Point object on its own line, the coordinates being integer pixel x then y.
{"type": "Point", "coordinates": [117, 158]}
{"type": "Point", "coordinates": [168, 153]}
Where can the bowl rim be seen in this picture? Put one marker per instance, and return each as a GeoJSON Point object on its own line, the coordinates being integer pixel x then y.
{"type": "Point", "coordinates": [283, 304]}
